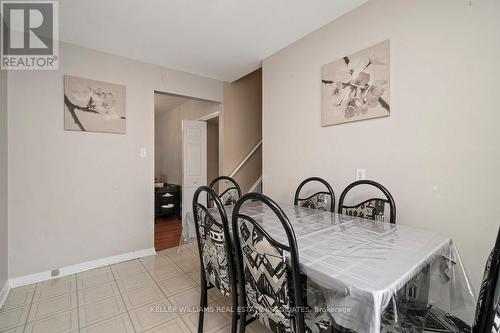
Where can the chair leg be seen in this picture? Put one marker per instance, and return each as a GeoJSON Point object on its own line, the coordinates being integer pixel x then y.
{"type": "Point", "coordinates": [203, 305]}
{"type": "Point", "coordinates": [243, 321]}
{"type": "Point", "coordinates": [234, 309]}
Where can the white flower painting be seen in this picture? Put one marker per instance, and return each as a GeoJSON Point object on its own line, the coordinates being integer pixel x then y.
{"type": "Point", "coordinates": [93, 106]}
{"type": "Point", "coordinates": [356, 87]}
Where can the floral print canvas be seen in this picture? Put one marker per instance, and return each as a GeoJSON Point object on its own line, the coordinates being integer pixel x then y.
{"type": "Point", "coordinates": [93, 106]}
{"type": "Point", "coordinates": [356, 87]}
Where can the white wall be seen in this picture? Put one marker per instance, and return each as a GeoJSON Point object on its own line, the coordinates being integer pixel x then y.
{"type": "Point", "coordinates": [76, 196]}
{"type": "Point", "coordinates": [168, 132]}
{"type": "Point", "coordinates": [437, 152]}
{"type": "Point", "coordinates": [3, 181]}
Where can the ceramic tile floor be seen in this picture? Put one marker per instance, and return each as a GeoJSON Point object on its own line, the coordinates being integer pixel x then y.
{"type": "Point", "coordinates": [120, 298]}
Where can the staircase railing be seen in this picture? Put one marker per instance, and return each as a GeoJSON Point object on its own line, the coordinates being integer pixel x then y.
{"type": "Point", "coordinates": [257, 184]}
{"type": "Point", "coordinates": [245, 159]}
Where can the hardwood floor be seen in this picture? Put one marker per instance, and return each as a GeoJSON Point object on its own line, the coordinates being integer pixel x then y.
{"type": "Point", "coordinates": [167, 232]}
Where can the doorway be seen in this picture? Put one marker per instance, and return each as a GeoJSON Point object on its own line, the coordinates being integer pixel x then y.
{"type": "Point", "coordinates": [170, 197]}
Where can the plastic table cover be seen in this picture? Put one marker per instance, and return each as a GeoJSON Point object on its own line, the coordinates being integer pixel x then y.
{"type": "Point", "coordinates": [372, 276]}
{"type": "Point", "coordinates": [188, 228]}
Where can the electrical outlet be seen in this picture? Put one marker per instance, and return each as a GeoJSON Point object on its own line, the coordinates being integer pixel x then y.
{"type": "Point", "coordinates": [360, 174]}
{"type": "Point", "coordinates": [143, 152]}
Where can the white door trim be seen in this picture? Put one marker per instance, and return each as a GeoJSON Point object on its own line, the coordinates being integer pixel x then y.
{"type": "Point", "coordinates": [209, 116]}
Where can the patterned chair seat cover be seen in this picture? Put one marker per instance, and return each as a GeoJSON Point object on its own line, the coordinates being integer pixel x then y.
{"type": "Point", "coordinates": [214, 253]}
{"type": "Point", "coordinates": [318, 201]}
{"type": "Point", "coordinates": [268, 288]}
{"type": "Point", "coordinates": [370, 209]}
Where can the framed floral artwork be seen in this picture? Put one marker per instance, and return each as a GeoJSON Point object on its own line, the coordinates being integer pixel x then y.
{"type": "Point", "coordinates": [356, 87]}
{"type": "Point", "coordinates": [93, 106]}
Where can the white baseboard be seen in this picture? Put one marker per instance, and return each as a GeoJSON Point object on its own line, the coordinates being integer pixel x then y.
{"type": "Point", "coordinates": [4, 292]}
{"type": "Point", "coordinates": [84, 266]}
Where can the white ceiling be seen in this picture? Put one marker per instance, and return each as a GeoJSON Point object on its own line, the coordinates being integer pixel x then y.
{"type": "Point", "coordinates": [221, 39]}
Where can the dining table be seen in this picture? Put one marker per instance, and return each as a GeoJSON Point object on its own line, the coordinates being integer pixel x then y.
{"type": "Point", "coordinates": [372, 276]}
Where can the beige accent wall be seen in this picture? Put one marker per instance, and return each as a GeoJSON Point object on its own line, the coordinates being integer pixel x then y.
{"type": "Point", "coordinates": [250, 172]}
{"type": "Point", "coordinates": [168, 132]}
{"type": "Point", "coordinates": [73, 196]}
{"type": "Point", "coordinates": [3, 181]}
{"type": "Point", "coordinates": [437, 152]}
{"type": "Point", "coordinates": [242, 127]}
{"type": "Point", "coordinates": [212, 150]}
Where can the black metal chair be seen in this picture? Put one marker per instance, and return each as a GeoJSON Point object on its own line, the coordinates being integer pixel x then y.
{"type": "Point", "coordinates": [230, 194]}
{"type": "Point", "coordinates": [216, 255]}
{"type": "Point", "coordinates": [373, 208]}
{"type": "Point", "coordinates": [270, 289]}
{"type": "Point", "coordinates": [318, 200]}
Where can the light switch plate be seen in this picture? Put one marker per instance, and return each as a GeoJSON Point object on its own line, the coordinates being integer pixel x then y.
{"type": "Point", "coordinates": [143, 152]}
{"type": "Point", "coordinates": [360, 174]}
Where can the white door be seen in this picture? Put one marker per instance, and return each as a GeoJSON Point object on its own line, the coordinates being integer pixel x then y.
{"type": "Point", "coordinates": [194, 161]}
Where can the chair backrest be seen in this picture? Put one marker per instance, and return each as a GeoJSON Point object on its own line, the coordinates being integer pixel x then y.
{"type": "Point", "coordinates": [230, 194]}
{"type": "Point", "coordinates": [487, 317]}
{"type": "Point", "coordinates": [214, 242]}
{"type": "Point", "coordinates": [271, 291]}
{"type": "Point", "coordinates": [373, 208]}
{"type": "Point", "coordinates": [319, 200]}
